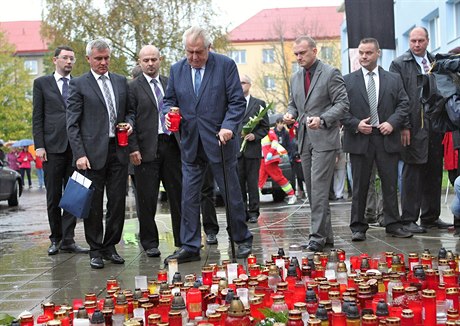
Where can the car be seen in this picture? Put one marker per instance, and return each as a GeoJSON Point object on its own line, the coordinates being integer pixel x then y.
{"type": "Point", "coordinates": [10, 185]}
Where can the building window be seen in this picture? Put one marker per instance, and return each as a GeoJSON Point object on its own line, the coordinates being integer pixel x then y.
{"type": "Point", "coordinates": [31, 66]}
{"type": "Point", "coordinates": [457, 19]}
{"type": "Point", "coordinates": [326, 53]}
{"type": "Point", "coordinates": [268, 56]}
{"type": "Point", "coordinates": [434, 32]}
{"type": "Point", "coordinates": [239, 56]}
{"type": "Point", "coordinates": [269, 83]}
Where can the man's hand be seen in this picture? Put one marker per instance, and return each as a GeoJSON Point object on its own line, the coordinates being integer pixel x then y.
{"type": "Point", "coordinates": [225, 135]}
{"type": "Point", "coordinates": [289, 119]}
{"type": "Point", "coordinates": [405, 137]}
{"type": "Point", "coordinates": [83, 163]}
{"type": "Point", "coordinates": [314, 122]}
{"type": "Point", "coordinates": [250, 137]}
{"type": "Point", "coordinates": [135, 157]}
{"type": "Point", "coordinates": [41, 153]}
{"type": "Point", "coordinates": [364, 127]}
{"type": "Point", "coordinates": [385, 128]}
{"type": "Point", "coordinates": [129, 128]}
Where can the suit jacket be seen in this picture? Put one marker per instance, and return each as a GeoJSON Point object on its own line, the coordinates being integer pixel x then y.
{"type": "Point", "coordinates": [88, 119]}
{"type": "Point", "coordinates": [408, 68]}
{"type": "Point", "coordinates": [326, 98]}
{"type": "Point", "coordinates": [219, 104]}
{"type": "Point", "coordinates": [253, 148]}
{"type": "Point", "coordinates": [393, 107]}
{"type": "Point", "coordinates": [48, 117]}
{"type": "Point", "coordinates": [145, 135]}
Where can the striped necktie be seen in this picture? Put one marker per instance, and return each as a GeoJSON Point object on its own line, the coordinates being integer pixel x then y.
{"type": "Point", "coordinates": [372, 95]}
{"type": "Point", "coordinates": [109, 102]}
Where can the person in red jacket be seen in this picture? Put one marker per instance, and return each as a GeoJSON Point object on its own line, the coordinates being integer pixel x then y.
{"type": "Point", "coordinates": [24, 160]}
{"type": "Point", "coordinates": [269, 167]}
{"type": "Point", "coordinates": [39, 168]}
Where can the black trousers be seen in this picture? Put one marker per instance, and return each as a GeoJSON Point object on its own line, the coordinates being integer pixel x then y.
{"type": "Point", "coordinates": [387, 167]}
{"type": "Point", "coordinates": [421, 188]}
{"type": "Point", "coordinates": [248, 173]}
{"type": "Point", "coordinates": [166, 167]}
{"type": "Point", "coordinates": [57, 169]}
{"type": "Point", "coordinates": [208, 209]}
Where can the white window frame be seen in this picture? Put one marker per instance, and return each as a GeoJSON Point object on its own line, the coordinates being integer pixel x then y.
{"type": "Point", "coordinates": [268, 56]}
{"type": "Point", "coordinates": [31, 66]}
{"type": "Point", "coordinates": [239, 56]}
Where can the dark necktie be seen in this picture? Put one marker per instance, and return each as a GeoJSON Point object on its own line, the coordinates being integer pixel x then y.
{"type": "Point", "coordinates": [65, 89]}
{"type": "Point", "coordinates": [109, 102]}
{"type": "Point", "coordinates": [197, 80]}
{"type": "Point", "coordinates": [372, 95]}
{"type": "Point", "coordinates": [159, 96]}
{"type": "Point", "coordinates": [426, 67]}
{"type": "Point", "coordinates": [307, 81]}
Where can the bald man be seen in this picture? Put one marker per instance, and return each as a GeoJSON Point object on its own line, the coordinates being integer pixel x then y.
{"type": "Point", "coordinates": [154, 151]}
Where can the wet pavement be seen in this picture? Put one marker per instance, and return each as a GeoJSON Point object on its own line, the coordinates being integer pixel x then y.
{"type": "Point", "coordinates": [29, 277]}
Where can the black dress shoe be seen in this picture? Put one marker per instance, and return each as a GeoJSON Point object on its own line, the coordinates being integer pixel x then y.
{"type": "Point", "coordinates": [253, 219]}
{"type": "Point", "coordinates": [153, 252]}
{"type": "Point", "coordinates": [312, 246]}
{"type": "Point", "coordinates": [183, 256]}
{"type": "Point", "coordinates": [96, 263]}
{"type": "Point", "coordinates": [400, 233]}
{"type": "Point", "coordinates": [74, 248]}
{"type": "Point", "coordinates": [244, 249]}
{"type": "Point", "coordinates": [358, 236]}
{"type": "Point", "coordinates": [211, 239]}
{"type": "Point", "coordinates": [436, 224]}
{"type": "Point", "coordinates": [114, 258]}
{"type": "Point", "coordinates": [414, 228]}
{"type": "Point", "coordinates": [53, 249]}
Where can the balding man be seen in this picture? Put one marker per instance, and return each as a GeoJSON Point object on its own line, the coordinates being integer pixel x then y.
{"type": "Point", "coordinates": [154, 151]}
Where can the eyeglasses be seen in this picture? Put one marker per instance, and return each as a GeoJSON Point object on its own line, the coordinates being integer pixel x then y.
{"type": "Point", "coordinates": [66, 57]}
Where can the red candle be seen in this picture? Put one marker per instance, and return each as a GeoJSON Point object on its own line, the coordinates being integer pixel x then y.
{"type": "Point", "coordinates": [162, 275]}
{"type": "Point", "coordinates": [252, 259]}
{"type": "Point", "coordinates": [429, 307]}
{"type": "Point", "coordinates": [206, 273]}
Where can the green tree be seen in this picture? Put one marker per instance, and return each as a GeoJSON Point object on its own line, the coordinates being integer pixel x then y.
{"type": "Point", "coordinates": [128, 24]}
{"type": "Point", "coordinates": [15, 96]}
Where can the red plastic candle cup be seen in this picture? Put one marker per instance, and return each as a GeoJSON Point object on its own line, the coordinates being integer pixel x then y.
{"type": "Point", "coordinates": [206, 273]}
{"type": "Point", "coordinates": [174, 119]}
{"type": "Point", "coordinates": [122, 134]}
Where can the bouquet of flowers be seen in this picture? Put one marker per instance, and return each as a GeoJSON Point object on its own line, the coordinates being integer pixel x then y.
{"type": "Point", "coordinates": [253, 122]}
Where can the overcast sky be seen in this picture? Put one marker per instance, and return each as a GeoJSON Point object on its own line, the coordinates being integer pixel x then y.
{"type": "Point", "coordinates": [233, 12]}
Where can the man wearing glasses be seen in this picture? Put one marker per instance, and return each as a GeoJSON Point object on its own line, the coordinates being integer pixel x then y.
{"type": "Point", "coordinates": [50, 95]}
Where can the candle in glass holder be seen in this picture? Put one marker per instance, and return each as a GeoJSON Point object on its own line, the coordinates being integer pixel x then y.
{"type": "Point", "coordinates": [111, 283]}
{"type": "Point", "coordinates": [252, 259]}
{"type": "Point", "coordinates": [162, 275]}
{"type": "Point", "coordinates": [172, 269]}
{"type": "Point", "coordinates": [206, 274]}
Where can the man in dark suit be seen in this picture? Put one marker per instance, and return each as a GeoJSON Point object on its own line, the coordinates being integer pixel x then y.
{"type": "Point", "coordinates": [249, 158]}
{"type": "Point", "coordinates": [423, 152]}
{"type": "Point", "coordinates": [98, 101]}
{"type": "Point", "coordinates": [50, 95]}
{"type": "Point", "coordinates": [318, 100]}
{"type": "Point", "coordinates": [378, 107]}
{"type": "Point", "coordinates": [206, 87]}
{"type": "Point", "coordinates": [155, 151]}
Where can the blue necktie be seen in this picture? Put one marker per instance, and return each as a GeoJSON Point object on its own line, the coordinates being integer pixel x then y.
{"type": "Point", "coordinates": [197, 80]}
{"type": "Point", "coordinates": [159, 96]}
{"type": "Point", "coordinates": [65, 89]}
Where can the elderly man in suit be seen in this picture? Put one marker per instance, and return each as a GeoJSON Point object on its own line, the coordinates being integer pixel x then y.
{"type": "Point", "coordinates": [50, 95]}
{"type": "Point", "coordinates": [155, 151]}
{"type": "Point", "coordinates": [318, 100]}
{"type": "Point", "coordinates": [98, 101]}
{"type": "Point", "coordinates": [206, 87]}
{"type": "Point", "coordinates": [378, 107]}
{"type": "Point", "coordinates": [423, 151]}
{"type": "Point", "coordinates": [249, 158]}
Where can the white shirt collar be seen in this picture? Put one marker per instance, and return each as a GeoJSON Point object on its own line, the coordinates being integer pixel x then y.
{"type": "Point", "coordinates": [375, 71]}
{"type": "Point", "coordinates": [96, 75]}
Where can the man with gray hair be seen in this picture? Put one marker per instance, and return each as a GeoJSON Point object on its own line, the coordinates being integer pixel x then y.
{"type": "Point", "coordinates": [205, 86]}
{"type": "Point", "coordinates": [98, 101]}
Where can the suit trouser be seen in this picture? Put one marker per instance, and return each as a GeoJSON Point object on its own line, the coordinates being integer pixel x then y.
{"type": "Point", "coordinates": [318, 170]}
{"type": "Point", "coordinates": [387, 166]}
{"type": "Point", "coordinates": [112, 177]}
{"type": "Point", "coordinates": [58, 168]}
{"type": "Point", "coordinates": [166, 167]}
{"type": "Point", "coordinates": [421, 188]}
{"type": "Point", "coordinates": [248, 172]}
{"type": "Point", "coordinates": [192, 179]}
{"type": "Point", "coordinates": [208, 209]}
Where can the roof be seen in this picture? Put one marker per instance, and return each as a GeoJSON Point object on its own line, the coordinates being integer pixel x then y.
{"type": "Point", "coordinates": [25, 36]}
{"type": "Point", "coordinates": [317, 22]}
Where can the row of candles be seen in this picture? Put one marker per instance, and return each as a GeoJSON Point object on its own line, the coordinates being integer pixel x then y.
{"type": "Point", "coordinates": [281, 275]}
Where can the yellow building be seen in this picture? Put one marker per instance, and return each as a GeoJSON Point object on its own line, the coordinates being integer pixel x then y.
{"type": "Point", "coordinates": [262, 47]}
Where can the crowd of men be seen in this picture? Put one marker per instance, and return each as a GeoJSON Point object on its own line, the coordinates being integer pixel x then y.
{"type": "Point", "coordinates": [75, 119]}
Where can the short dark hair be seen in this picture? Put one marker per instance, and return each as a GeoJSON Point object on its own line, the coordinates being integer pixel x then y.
{"type": "Point", "coordinates": [367, 40]}
{"type": "Point", "coordinates": [279, 120]}
{"type": "Point", "coordinates": [311, 42]}
{"type": "Point", "coordinates": [58, 50]}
